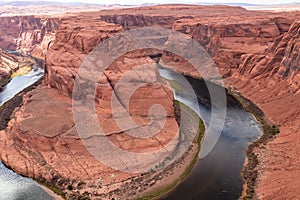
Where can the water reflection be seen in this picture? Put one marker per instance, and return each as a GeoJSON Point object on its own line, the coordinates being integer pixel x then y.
{"type": "Point", "coordinates": [218, 175]}
{"type": "Point", "coordinates": [16, 187]}
{"type": "Point", "coordinates": [12, 185]}
{"type": "Point", "coordinates": [19, 83]}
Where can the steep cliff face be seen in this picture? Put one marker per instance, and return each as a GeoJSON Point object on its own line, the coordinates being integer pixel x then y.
{"type": "Point", "coordinates": [74, 40]}
{"type": "Point", "coordinates": [281, 61]}
{"type": "Point", "coordinates": [257, 54]}
{"type": "Point", "coordinates": [133, 21]}
{"type": "Point", "coordinates": [28, 34]}
{"type": "Point", "coordinates": [228, 38]}
{"type": "Point", "coordinates": [10, 63]}
{"type": "Point", "coordinates": [288, 50]}
{"type": "Point", "coordinates": [55, 153]}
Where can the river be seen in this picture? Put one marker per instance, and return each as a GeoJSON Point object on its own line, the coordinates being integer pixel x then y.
{"type": "Point", "coordinates": [12, 185]}
{"type": "Point", "coordinates": [218, 175]}
{"type": "Point", "coordinates": [19, 83]}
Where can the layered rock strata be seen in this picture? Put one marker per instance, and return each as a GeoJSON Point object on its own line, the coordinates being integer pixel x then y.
{"type": "Point", "coordinates": [256, 53]}
{"type": "Point", "coordinates": [49, 148]}
{"type": "Point", "coordinates": [10, 63]}
{"type": "Point", "coordinates": [28, 34]}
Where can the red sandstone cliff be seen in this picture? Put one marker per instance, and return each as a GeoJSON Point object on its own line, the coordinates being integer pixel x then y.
{"type": "Point", "coordinates": [49, 148]}
{"type": "Point", "coordinates": [10, 63]}
{"type": "Point", "coordinates": [28, 34]}
{"type": "Point", "coordinates": [257, 54]}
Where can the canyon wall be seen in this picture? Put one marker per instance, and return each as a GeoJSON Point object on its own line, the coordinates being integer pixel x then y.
{"type": "Point", "coordinates": [229, 39]}
{"type": "Point", "coordinates": [10, 63]}
{"type": "Point", "coordinates": [257, 54]}
{"type": "Point", "coordinates": [28, 34]}
{"type": "Point", "coordinates": [271, 81]}
{"type": "Point", "coordinates": [50, 149]}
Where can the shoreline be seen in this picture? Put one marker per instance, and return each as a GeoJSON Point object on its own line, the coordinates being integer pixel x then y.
{"type": "Point", "coordinates": [186, 161]}
{"type": "Point", "coordinates": [9, 107]}
{"type": "Point", "coordinates": [50, 192]}
{"type": "Point", "coordinates": [248, 172]}
{"type": "Point", "coordinates": [269, 131]}
{"type": "Point", "coordinates": [164, 191]}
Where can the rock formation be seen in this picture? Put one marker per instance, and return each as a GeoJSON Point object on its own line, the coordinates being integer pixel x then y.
{"type": "Point", "coordinates": [9, 63]}
{"type": "Point", "coordinates": [55, 153]}
{"type": "Point", "coordinates": [28, 34]}
{"type": "Point", "coordinates": [257, 54]}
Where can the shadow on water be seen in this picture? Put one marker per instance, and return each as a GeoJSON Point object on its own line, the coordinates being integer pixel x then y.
{"type": "Point", "coordinates": [218, 175]}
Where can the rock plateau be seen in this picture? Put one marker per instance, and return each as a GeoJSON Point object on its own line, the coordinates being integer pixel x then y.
{"type": "Point", "coordinates": [257, 53]}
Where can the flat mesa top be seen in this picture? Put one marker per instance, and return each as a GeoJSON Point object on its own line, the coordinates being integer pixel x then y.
{"type": "Point", "coordinates": [209, 15]}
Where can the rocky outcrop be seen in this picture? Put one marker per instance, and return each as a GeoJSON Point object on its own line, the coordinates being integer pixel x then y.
{"type": "Point", "coordinates": [56, 153]}
{"type": "Point", "coordinates": [28, 34]}
{"type": "Point", "coordinates": [256, 52]}
{"type": "Point", "coordinates": [74, 40]}
{"type": "Point", "coordinates": [287, 53]}
{"type": "Point", "coordinates": [281, 60]}
{"type": "Point", "coordinates": [10, 63]}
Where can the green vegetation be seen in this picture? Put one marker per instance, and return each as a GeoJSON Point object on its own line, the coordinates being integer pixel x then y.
{"type": "Point", "coordinates": [7, 109]}
{"type": "Point", "coordinates": [175, 85]}
{"type": "Point", "coordinates": [269, 131]}
{"type": "Point", "coordinates": [21, 71]}
{"type": "Point", "coordinates": [56, 190]}
{"type": "Point", "coordinates": [51, 186]}
{"type": "Point", "coordinates": [4, 81]}
{"type": "Point", "coordinates": [188, 170]}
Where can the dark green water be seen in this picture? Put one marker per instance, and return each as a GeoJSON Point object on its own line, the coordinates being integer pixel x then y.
{"type": "Point", "coordinates": [218, 175]}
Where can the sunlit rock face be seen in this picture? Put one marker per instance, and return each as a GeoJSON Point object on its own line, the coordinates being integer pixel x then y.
{"type": "Point", "coordinates": [9, 63]}
{"type": "Point", "coordinates": [28, 34]}
{"type": "Point", "coordinates": [55, 152]}
{"type": "Point", "coordinates": [257, 54]}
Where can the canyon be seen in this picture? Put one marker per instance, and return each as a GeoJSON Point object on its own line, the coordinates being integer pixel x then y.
{"type": "Point", "coordinates": [257, 53]}
{"type": "Point", "coordinates": [28, 34]}
{"type": "Point", "coordinates": [10, 63]}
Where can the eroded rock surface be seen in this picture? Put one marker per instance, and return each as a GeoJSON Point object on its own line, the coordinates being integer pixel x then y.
{"type": "Point", "coordinates": [10, 63]}
{"type": "Point", "coordinates": [44, 143]}
{"type": "Point", "coordinates": [257, 54]}
{"type": "Point", "coordinates": [28, 34]}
